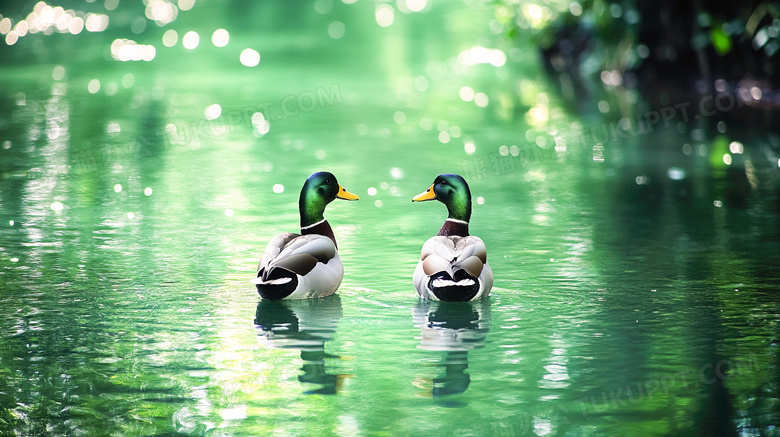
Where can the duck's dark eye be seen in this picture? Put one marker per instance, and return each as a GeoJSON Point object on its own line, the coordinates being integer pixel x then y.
{"type": "Point", "coordinates": [327, 181]}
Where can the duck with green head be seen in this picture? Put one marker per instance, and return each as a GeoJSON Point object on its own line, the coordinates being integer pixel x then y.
{"type": "Point", "coordinates": [305, 265]}
{"type": "Point", "coordinates": [453, 264]}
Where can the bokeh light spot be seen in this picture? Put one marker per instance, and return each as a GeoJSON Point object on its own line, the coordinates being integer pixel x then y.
{"type": "Point", "coordinates": [249, 57]}
{"type": "Point", "coordinates": [186, 5]}
{"type": "Point", "coordinates": [416, 5]}
{"type": "Point", "coordinates": [675, 173]}
{"type": "Point", "coordinates": [336, 29]}
{"type": "Point", "coordinates": [170, 38]}
{"type": "Point", "coordinates": [128, 80]}
{"type": "Point", "coordinates": [96, 22]}
{"type": "Point", "coordinates": [220, 37]}
{"type": "Point", "coordinates": [93, 86]}
{"type": "Point", "coordinates": [482, 55]}
{"type": "Point", "coordinates": [76, 25]}
{"type": "Point", "coordinates": [138, 25]}
{"type": "Point", "coordinates": [11, 38]}
{"type": "Point", "coordinates": [58, 73]}
{"type": "Point", "coordinates": [385, 15]}
{"type": "Point", "coordinates": [278, 188]}
{"type": "Point", "coordinates": [190, 40]}
{"type": "Point", "coordinates": [148, 52]}
{"type": "Point", "coordinates": [161, 12]}
{"type": "Point", "coordinates": [262, 126]}
{"type": "Point", "coordinates": [124, 50]}
{"type": "Point", "coordinates": [213, 111]}
{"type": "Point", "coordinates": [481, 99]}
{"type": "Point", "coordinates": [466, 94]}
{"type": "Point", "coordinates": [5, 25]}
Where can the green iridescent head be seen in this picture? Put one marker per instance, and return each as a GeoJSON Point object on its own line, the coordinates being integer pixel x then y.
{"type": "Point", "coordinates": [320, 189]}
{"type": "Point", "coordinates": [451, 190]}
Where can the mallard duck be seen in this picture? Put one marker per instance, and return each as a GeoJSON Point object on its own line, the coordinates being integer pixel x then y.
{"type": "Point", "coordinates": [305, 265]}
{"type": "Point", "coordinates": [453, 264]}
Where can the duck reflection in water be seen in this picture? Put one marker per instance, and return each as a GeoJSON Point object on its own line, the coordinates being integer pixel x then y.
{"type": "Point", "coordinates": [454, 328]}
{"type": "Point", "coordinates": [305, 325]}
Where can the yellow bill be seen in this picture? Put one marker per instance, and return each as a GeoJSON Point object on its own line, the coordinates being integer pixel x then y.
{"type": "Point", "coordinates": [425, 195]}
{"type": "Point", "coordinates": [346, 195]}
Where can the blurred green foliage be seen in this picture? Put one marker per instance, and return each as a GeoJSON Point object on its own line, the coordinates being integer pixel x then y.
{"type": "Point", "coordinates": [656, 41]}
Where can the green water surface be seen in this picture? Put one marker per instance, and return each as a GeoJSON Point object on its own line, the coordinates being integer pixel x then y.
{"type": "Point", "coordinates": [636, 278]}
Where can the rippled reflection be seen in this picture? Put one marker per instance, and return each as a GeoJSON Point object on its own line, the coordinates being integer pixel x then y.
{"type": "Point", "coordinates": [305, 325]}
{"type": "Point", "coordinates": [454, 328]}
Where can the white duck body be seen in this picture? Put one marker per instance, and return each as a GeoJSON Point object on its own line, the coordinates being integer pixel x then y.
{"type": "Point", "coordinates": [453, 268]}
{"type": "Point", "coordinates": [313, 261]}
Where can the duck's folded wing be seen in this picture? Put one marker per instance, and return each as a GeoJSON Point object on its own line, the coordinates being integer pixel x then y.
{"type": "Point", "coordinates": [450, 254]}
{"type": "Point", "coordinates": [274, 247]}
{"type": "Point", "coordinates": [302, 253]}
{"type": "Point", "coordinates": [472, 256]}
{"type": "Point", "coordinates": [318, 246]}
{"type": "Point", "coordinates": [444, 247]}
{"type": "Point", "coordinates": [471, 246]}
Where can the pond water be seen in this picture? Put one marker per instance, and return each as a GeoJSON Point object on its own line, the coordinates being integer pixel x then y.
{"type": "Point", "coordinates": [636, 271]}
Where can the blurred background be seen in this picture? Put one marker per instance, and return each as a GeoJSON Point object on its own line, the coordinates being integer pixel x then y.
{"type": "Point", "coordinates": [623, 159]}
